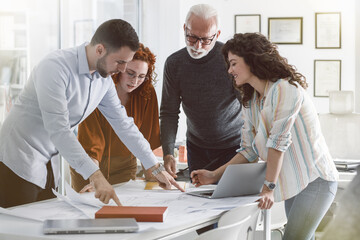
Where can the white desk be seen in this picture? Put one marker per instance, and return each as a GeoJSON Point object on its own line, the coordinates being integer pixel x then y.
{"type": "Point", "coordinates": [15, 228]}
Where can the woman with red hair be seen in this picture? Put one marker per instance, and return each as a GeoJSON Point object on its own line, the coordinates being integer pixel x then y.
{"type": "Point", "coordinates": [137, 94]}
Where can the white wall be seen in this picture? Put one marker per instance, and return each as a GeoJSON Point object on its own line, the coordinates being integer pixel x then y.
{"type": "Point", "coordinates": [357, 60]}
{"type": "Point", "coordinates": [162, 32]}
{"type": "Point", "coordinates": [163, 21]}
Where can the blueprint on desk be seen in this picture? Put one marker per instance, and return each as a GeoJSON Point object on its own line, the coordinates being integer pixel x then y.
{"type": "Point", "coordinates": [181, 206]}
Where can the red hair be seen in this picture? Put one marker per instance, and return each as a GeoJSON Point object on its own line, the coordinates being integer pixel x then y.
{"type": "Point", "coordinates": [143, 54]}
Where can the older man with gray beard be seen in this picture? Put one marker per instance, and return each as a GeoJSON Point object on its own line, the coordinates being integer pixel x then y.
{"type": "Point", "coordinates": [197, 78]}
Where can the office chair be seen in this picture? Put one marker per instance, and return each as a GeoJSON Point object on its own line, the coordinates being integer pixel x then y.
{"type": "Point", "coordinates": [239, 213]}
{"type": "Point", "coordinates": [277, 222]}
{"type": "Point", "coordinates": [228, 232]}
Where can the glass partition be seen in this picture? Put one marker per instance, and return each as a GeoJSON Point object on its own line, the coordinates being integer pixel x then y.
{"type": "Point", "coordinates": [30, 29]}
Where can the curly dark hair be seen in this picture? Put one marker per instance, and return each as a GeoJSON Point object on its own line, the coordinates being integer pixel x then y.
{"type": "Point", "coordinates": [264, 61]}
{"type": "Point", "coordinates": [143, 54]}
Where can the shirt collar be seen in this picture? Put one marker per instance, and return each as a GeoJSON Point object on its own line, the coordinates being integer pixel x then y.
{"type": "Point", "coordinates": [267, 88]}
{"type": "Point", "coordinates": [83, 62]}
{"type": "Point", "coordinates": [266, 91]}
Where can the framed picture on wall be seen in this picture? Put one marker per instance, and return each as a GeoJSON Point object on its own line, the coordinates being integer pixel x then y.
{"type": "Point", "coordinates": [328, 30]}
{"type": "Point", "coordinates": [285, 30]}
{"type": "Point", "coordinates": [247, 23]}
{"type": "Point", "coordinates": [327, 77]}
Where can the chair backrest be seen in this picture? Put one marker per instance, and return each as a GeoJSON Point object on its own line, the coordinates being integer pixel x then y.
{"type": "Point", "coordinates": [237, 214]}
{"type": "Point", "coordinates": [228, 232]}
{"type": "Point", "coordinates": [278, 217]}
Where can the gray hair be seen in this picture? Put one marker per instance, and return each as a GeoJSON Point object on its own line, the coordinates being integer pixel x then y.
{"type": "Point", "coordinates": [204, 11]}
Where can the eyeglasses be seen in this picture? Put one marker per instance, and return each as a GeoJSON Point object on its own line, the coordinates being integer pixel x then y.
{"type": "Point", "coordinates": [194, 39]}
{"type": "Point", "coordinates": [132, 75]}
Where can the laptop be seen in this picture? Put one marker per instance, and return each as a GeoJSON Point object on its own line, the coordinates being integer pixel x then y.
{"type": "Point", "coordinates": [101, 225]}
{"type": "Point", "coordinates": [237, 180]}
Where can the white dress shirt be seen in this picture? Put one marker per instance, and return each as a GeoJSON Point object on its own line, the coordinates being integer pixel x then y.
{"type": "Point", "coordinates": [59, 94]}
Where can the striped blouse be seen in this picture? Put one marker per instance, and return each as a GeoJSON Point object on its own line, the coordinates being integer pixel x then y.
{"type": "Point", "coordinates": [286, 120]}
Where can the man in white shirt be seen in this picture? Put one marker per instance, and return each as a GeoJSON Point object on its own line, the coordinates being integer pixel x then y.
{"type": "Point", "coordinates": [63, 89]}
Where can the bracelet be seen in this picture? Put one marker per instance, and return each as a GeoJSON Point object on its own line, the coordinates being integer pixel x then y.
{"type": "Point", "coordinates": [158, 170]}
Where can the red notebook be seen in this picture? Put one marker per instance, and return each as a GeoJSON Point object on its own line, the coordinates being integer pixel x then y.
{"type": "Point", "coordinates": [141, 214]}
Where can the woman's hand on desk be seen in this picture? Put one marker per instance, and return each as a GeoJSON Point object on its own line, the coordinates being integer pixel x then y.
{"type": "Point", "coordinates": [87, 188]}
{"type": "Point", "coordinates": [202, 177]}
{"type": "Point", "coordinates": [103, 190]}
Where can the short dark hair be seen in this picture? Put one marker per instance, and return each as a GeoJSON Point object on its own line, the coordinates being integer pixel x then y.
{"type": "Point", "coordinates": [114, 34]}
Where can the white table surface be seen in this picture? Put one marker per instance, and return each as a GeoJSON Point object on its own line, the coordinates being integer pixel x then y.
{"type": "Point", "coordinates": [14, 228]}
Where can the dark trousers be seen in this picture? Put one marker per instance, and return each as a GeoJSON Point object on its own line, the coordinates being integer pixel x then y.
{"type": "Point", "coordinates": [16, 191]}
{"type": "Point", "coordinates": [209, 159]}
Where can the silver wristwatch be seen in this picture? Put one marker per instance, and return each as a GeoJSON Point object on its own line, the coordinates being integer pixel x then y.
{"type": "Point", "coordinates": [270, 185]}
{"type": "Point", "coordinates": [158, 170]}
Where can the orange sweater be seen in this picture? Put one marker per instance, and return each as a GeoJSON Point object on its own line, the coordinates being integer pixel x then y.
{"type": "Point", "coordinates": [100, 141]}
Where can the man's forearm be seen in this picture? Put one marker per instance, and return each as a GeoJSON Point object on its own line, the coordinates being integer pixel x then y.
{"type": "Point", "coordinates": [168, 136]}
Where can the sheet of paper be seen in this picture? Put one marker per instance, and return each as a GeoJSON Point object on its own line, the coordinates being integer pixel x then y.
{"type": "Point", "coordinates": [21, 214]}
{"type": "Point", "coordinates": [45, 210]}
{"type": "Point", "coordinates": [181, 206]}
{"type": "Point", "coordinates": [80, 198]}
{"type": "Point", "coordinates": [156, 186]}
{"type": "Point", "coordinates": [132, 194]}
{"type": "Point", "coordinates": [86, 209]}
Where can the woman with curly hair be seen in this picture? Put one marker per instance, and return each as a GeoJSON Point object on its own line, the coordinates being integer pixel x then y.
{"type": "Point", "coordinates": [137, 94]}
{"type": "Point", "coordinates": [281, 127]}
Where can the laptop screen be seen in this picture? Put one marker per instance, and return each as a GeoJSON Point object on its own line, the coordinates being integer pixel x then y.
{"type": "Point", "coordinates": [237, 180]}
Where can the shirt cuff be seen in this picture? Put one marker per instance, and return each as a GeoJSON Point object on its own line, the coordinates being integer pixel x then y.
{"type": "Point", "coordinates": [149, 162]}
{"type": "Point", "coordinates": [87, 169]}
{"type": "Point", "coordinates": [248, 154]}
{"type": "Point", "coordinates": [280, 143]}
{"type": "Point", "coordinates": [168, 149]}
